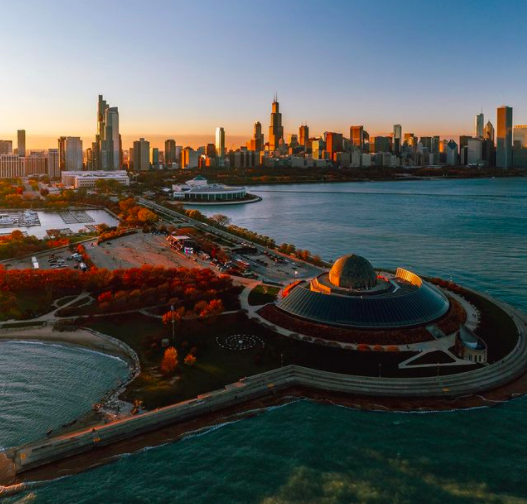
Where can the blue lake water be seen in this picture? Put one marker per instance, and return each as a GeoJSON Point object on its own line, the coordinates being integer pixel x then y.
{"type": "Point", "coordinates": [474, 231]}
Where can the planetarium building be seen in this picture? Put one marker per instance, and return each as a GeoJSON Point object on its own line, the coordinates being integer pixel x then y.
{"type": "Point", "coordinates": [352, 294]}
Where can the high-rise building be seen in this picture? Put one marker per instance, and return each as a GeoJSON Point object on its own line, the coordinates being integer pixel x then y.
{"type": "Point", "coordinates": [256, 143]}
{"type": "Point", "coordinates": [519, 150]}
{"type": "Point", "coordinates": [108, 153]}
{"type": "Point", "coordinates": [62, 153]}
{"type": "Point", "coordinates": [6, 147]}
{"type": "Point", "coordinates": [397, 138]}
{"type": "Point", "coordinates": [451, 153]}
{"type": "Point", "coordinates": [380, 144]}
{"type": "Point", "coordinates": [220, 143]}
{"type": "Point", "coordinates": [478, 125]}
{"type": "Point", "coordinates": [154, 157]}
{"type": "Point", "coordinates": [170, 152]}
{"type": "Point", "coordinates": [504, 134]}
{"type": "Point", "coordinates": [73, 154]}
{"type": "Point", "coordinates": [333, 144]}
{"type": "Point", "coordinates": [488, 132]}
{"type": "Point", "coordinates": [426, 142]}
{"type": "Point", "coordinates": [141, 155]}
{"type": "Point", "coordinates": [357, 136]}
{"type": "Point", "coordinates": [303, 135]}
{"type": "Point", "coordinates": [435, 144]}
{"type": "Point", "coordinates": [474, 151]}
{"type": "Point", "coordinates": [276, 130]}
{"type": "Point", "coordinates": [21, 142]}
{"type": "Point", "coordinates": [53, 163]}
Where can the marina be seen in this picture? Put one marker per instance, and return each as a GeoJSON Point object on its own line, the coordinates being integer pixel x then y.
{"type": "Point", "coordinates": [20, 218]}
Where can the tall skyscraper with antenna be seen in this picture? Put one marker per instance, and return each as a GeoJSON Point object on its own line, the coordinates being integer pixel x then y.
{"type": "Point", "coordinates": [276, 130]}
{"type": "Point", "coordinates": [479, 122]}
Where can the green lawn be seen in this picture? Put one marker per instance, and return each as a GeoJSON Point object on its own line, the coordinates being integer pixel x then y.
{"type": "Point", "coordinates": [263, 294]}
{"type": "Point", "coordinates": [217, 367]}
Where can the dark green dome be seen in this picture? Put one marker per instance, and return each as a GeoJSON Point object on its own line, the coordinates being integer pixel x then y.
{"type": "Point", "coordinates": [353, 272]}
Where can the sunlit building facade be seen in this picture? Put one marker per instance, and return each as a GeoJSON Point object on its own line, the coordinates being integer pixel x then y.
{"type": "Point", "coordinates": [504, 137]}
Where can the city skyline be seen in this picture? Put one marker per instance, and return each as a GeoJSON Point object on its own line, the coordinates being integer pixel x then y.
{"type": "Point", "coordinates": [184, 93]}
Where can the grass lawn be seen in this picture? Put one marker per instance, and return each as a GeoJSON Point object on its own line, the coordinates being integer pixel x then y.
{"type": "Point", "coordinates": [263, 294]}
{"type": "Point", "coordinates": [217, 367]}
{"type": "Point", "coordinates": [65, 300]}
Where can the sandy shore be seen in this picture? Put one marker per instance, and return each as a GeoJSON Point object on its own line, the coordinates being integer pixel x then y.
{"type": "Point", "coordinates": [78, 338]}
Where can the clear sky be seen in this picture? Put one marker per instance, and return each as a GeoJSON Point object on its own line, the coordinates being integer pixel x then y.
{"type": "Point", "coordinates": [181, 68]}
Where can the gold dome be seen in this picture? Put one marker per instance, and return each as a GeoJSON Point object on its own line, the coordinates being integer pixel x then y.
{"type": "Point", "coordinates": [353, 272]}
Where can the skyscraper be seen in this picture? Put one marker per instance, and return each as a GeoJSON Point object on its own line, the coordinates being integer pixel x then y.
{"type": "Point", "coordinates": [276, 130]}
{"type": "Point", "coordinates": [397, 138]}
{"type": "Point", "coordinates": [220, 143]}
{"type": "Point", "coordinates": [303, 135]}
{"type": "Point", "coordinates": [170, 152]}
{"type": "Point", "coordinates": [519, 138]}
{"type": "Point", "coordinates": [488, 132]}
{"type": "Point", "coordinates": [53, 163]}
{"type": "Point", "coordinates": [73, 154]}
{"type": "Point", "coordinates": [21, 142]}
{"type": "Point", "coordinates": [62, 153]}
{"type": "Point", "coordinates": [141, 155]}
{"type": "Point", "coordinates": [478, 125]}
{"type": "Point", "coordinates": [333, 144]}
{"type": "Point", "coordinates": [357, 136]}
{"type": "Point", "coordinates": [504, 134]}
{"type": "Point", "coordinates": [256, 143]}
{"type": "Point", "coordinates": [108, 155]}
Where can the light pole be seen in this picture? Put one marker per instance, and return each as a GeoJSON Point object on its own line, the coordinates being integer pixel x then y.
{"type": "Point", "coordinates": [296, 273]}
{"type": "Point", "coordinates": [173, 323]}
{"type": "Point", "coordinates": [380, 369]}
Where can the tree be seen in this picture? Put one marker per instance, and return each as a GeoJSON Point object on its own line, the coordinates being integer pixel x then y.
{"type": "Point", "coordinates": [176, 316]}
{"type": "Point", "coordinates": [190, 360]}
{"type": "Point", "coordinates": [221, 220]}
{"type": "Point", "coordinates": [170, 361]}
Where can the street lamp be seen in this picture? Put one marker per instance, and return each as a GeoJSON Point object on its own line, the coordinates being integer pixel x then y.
{"type": "Point", "coordinates": [173, 323]}
{"type": "Point", "coordinates": [380, 370]}
{"type": "Point", "coordinates": [296, 273]}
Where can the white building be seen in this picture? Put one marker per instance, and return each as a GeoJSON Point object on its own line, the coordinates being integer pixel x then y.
{"type": "Point", "coordinates": [365, 160]}
{"type": "Point", "coordinates": [198, 189]}
{"type": "Point", "coordinates": [89, 178]}
{"type": "Point", "coordinates": [451, 153]}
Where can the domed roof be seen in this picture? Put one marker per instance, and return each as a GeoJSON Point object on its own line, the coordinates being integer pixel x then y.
{"type": "Point", "coordinates": [353, 272]}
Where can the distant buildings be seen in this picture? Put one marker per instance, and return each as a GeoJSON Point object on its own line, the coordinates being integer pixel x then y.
{"type": "Point", "coordinates": [519, 149]}
{"type": "Point", "coordinates": [333, 144]}
{"type": "Point", "coordinates": [488, 132]}
{"type": "Point", "coordinates": [53, 163]}
{"type": "Point", "coordinates": [478, 125]}
{"type": "Point", "coordinates": [451, 153]}
{"type": "Point", "coordinates": [107, 147]}
{"type": "Point", "coordinates": [6, 147]}
{"type": "Point", "coordinates": [88, 179]}
{"type": "Point", "coordinates": [504, 138]}
{"type": "Point", "coordinates": [141, 155]}
{"type": "Point", "coordinates": [303, 135]}
{"type": "Point", "coordinates": [21, 142]}
{"type": "Point", "coordinates": [397, 138]}
{"type": "Point", "coordinates": [220, 144]}
{"type": "Point", "coordinates": [474, 151]}
{"type": "Point", "coordinates": [170, 152]}
{"type": "Point", "coordinates": [357, 137]}
{"type": "Point", "coordinates": [73, 154]}
{"type": "Point", "coordinates": [276, 130]}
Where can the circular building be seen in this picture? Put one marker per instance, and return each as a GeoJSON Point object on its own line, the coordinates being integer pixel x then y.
{"type": "Point", "coordinates": [352, 294]}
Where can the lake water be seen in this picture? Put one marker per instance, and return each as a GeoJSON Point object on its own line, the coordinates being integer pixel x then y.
{"type": "Point", "coordinates": [306, 453]}
{"type": "Point", "coordinates": [52, 220]}
{"type": "Point", "coordinates": [43, 386]}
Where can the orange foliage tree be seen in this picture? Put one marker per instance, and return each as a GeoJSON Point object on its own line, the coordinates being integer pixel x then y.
{"type": "Point", "coordinates": [170, 361]}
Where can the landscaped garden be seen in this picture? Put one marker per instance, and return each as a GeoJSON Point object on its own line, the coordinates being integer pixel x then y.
{"type": "Point", "coordinates": [263, 294]}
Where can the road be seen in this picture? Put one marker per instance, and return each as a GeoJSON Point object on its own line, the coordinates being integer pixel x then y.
{"type": "Point", "coordinates": [274, 272]}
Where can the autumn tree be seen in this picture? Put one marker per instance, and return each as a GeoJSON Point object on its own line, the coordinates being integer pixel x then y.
{"type": "Point", "coordinates": [221, 220]}
{"type": "Point", "coordinates": [170, 361]}
{"type": "Point", "coordinates": [190, 360]}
